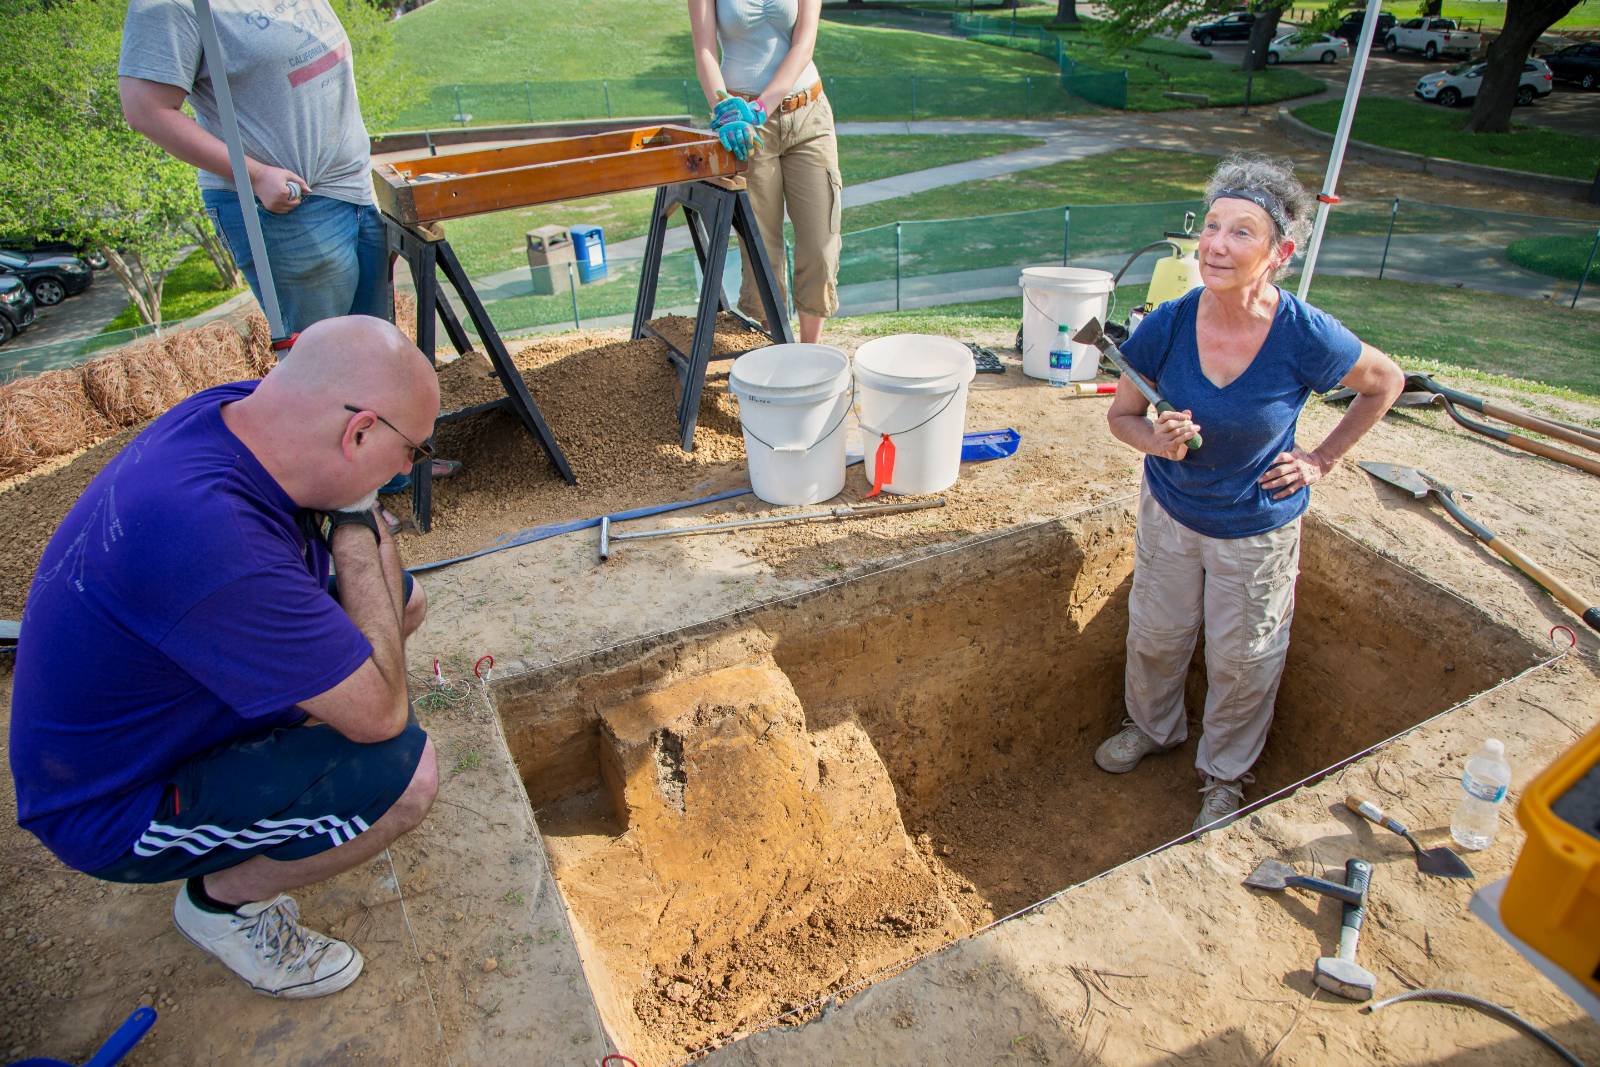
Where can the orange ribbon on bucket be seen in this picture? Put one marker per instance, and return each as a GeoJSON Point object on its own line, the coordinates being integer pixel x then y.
{"type": "Point", "coordinates": [882, 465]}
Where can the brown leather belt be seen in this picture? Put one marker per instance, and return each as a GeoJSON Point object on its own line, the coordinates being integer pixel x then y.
{"type": "Point", "coordinates": [794, 101]}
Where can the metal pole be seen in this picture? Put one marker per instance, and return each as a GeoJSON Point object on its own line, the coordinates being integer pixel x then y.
{"type": "Point", "coordinates": [913, 96]}
{"type": "Point", "coordinates": [606, 87]}
{"type": "Point", "coordinates": [1027, 97]}
{"type": "Point", "coordinates": [461, 112]}
{"type": "Point", "coordinates": [897, 266]}
{"type": "Point", "coordinates": [1394, 209]}
{"type": "Point", "coordinates": [688, 101]}
{"type": "Point", "coordinates": [1347, 117]}
{"type": "Point", "coordinates": [216, 61]}
{"type": "Point", "coordinates": [527, 93]}
{"type": "Point", "coordinates": [1066, 235]}
{"type": "Point", "coordinates": [1585, 275]}
{"type": "Point", "coordinates": [572, 287]}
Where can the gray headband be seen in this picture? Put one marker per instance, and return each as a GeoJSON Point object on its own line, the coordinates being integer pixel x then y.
{"type": "Point", "coordinates": [1263, 200]}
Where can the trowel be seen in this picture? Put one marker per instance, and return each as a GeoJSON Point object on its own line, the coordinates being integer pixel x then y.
{"type": "Point", "coordinates": [1420, 484]}
{"type": "Point", "coordinates": [1275, 874]}
{"type": "Point", "coordinates": [1440, 861]}
{"type": "Point", "coordinates": [1093, 334]}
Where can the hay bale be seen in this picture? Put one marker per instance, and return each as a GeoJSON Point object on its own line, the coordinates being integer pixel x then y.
{"type": "Point", "coordinates": [258, 346]}
{"type": "Point", "coordinates": [43, 416]}
{"type": "Point", "coordinates": [405, 314]}
{"type": "Point", "coordinates": [135, 383]}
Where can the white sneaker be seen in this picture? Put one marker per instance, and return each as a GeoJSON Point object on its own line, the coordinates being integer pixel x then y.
{"type": "Point", "coordinates": [1220, 801]}
{"type": "Point", "coordinates": [1122, 751]}
{"type": "Point", "coordinates": [264, 944]}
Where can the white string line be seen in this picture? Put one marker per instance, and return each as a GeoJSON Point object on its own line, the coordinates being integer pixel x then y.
{"type": "Point", "coordinates": [405, 918]}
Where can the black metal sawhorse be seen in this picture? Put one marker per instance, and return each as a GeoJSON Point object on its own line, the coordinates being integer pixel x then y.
{"type": "Point", "coordinates": [427, 254]}
{"type": "Point", "coordinates": [713, 212]}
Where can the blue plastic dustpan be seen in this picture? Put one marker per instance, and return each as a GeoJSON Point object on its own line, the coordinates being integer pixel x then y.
{"type": "Point", "coordinates": [989, 444]}
{"type": "Point", "coordinates": [129, 1034]}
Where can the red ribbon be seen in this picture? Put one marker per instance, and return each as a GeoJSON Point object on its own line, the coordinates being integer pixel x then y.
{"type": "Point", "coordinates": [882, 466]}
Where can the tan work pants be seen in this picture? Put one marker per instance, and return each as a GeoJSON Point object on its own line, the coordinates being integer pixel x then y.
{"type": "Point", "coordinates": [1242, 589]}
{"type": "Point", "coordinates": [797, 167]}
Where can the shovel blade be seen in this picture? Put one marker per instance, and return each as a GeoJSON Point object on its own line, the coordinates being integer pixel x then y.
{"type": "Point", "coordinates": [1091, 333]}
{"type": "Point", "coordinates": [1407, 478]}
{"type": "Point", "coordinates": [1270, 874]}
{"type": "Point", "coordinates": [1442, 863]}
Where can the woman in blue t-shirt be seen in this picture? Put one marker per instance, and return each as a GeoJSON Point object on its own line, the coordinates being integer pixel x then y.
{"type": "Point", "coordinates": [1218, 536]}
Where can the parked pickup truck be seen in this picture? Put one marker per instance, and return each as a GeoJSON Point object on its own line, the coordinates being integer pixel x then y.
{"type": "Point", "coordinates": [1432, 37]}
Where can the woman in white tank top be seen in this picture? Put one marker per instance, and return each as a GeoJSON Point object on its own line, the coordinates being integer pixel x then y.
{"type": "Point", "coordinates": [754, 62]}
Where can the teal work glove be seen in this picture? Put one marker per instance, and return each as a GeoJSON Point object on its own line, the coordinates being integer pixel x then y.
{"type": "Point", "coordinates": [737, 109]}
{"type": "Point", "coordinates": [739, 137]}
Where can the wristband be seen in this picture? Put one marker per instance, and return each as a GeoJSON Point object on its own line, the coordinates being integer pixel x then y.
{"type": "Point", "coordinates": [337, 519]}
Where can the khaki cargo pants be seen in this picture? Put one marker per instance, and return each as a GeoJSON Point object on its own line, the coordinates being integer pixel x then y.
{"type": "Point", "coordinates": [1242, 589]}
{"type": "Point", "coordinates": [797, 167]}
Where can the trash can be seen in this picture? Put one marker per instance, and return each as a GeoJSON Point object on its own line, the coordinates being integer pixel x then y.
{"type": "Point", "coordinates": [549, 251]}
{"type": "Point", "coordinates": [590, 245]}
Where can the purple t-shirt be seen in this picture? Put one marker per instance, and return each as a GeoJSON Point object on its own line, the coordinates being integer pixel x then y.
{"type": "Point", "coordinates": [178, 606]}
{"type": "Point", "coordinates": [1245, 424]}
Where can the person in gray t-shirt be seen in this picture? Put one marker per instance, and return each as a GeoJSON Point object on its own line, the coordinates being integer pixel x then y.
{"type": "Point", "coordinates": [306, 147]}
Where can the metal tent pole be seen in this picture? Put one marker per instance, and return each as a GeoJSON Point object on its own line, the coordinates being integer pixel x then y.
{"type": "Point", "coordinates": [1347, 117]}
{"type": "Point", "coordinates": [217, 64]}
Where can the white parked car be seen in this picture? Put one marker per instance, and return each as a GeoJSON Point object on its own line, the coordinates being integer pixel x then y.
{"type": "Point", "coordinates": [1323, 49]}
{"type": "Point", "coordinates": [1459, 84]}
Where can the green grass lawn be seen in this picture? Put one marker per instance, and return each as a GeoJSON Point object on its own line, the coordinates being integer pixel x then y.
{"type": "Point", "coordinates": [488, 243]}
{"type": "Point", "coordinates": [1559, 257]}
{"type": "Point", "coordinates": [1128, 176]}
{"type": "Point", "coordinates": [641, 48]}
{"type": "Point", "coordinates": [1436, 131]}
{"type": "Point", "coordinates": [1422, 326]}
{"type": "Point", "coordinates": [191, 287]}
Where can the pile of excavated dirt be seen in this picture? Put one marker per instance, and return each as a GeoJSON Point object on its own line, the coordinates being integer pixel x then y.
{"type": "Point", "coordinates": [611, 405]}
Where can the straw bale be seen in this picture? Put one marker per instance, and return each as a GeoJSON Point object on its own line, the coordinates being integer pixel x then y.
{"type": "Point", "coordinates": [43, 416]}
{"type": "Point", "coordinates": [134, 383]}
{"type": "Point", "coordinates": [258, 346]}
{"type": "Point", "coordinates": [405, 314]}
{"type": "Point", "coordinates": [210, 355]}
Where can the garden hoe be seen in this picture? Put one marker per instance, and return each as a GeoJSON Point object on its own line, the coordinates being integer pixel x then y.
{"type": "Point", "coordinates": [1440, 862]}
{"type": "Point", "coordinates": [1419, 484]}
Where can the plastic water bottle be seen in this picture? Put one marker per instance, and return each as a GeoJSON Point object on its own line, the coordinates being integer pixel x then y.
{"type": "Point", "coordinates": [1061, 358]}
{"type": "Point", "coordinates": [1483, 787]}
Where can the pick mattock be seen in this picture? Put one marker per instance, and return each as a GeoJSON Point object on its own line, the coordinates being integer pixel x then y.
{"type": "Point", "coordinates": [1420, 484]}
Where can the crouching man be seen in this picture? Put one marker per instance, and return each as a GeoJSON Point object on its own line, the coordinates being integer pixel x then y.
{"type": "Point", "coordinates": [194, 698]}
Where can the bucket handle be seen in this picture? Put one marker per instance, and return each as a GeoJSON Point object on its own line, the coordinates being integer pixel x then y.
{"type": "Point", "coordinates": [1110, 308]}
{"type": "Point", "coordinates": [807, 448]}
{"type": "Point", "coordinates": [948, 400]}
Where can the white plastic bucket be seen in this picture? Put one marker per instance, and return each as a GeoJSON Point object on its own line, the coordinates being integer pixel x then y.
{"type": "Point", "coordinates": [793, 400]}
{"type": "Point", "coordinates": [1053, 297]}
{"type": "Point", "coordinates": [913, 387]}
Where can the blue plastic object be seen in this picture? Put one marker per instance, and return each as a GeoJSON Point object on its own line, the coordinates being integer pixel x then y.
{"type": "Point", "coordinates": [992, 444]}
{"type": "Point", "coordinates": [589, 243]}
{"type": "Point", "coordinates": [118, 1045]}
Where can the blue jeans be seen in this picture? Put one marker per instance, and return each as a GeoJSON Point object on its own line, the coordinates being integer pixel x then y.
{"type": "Point", "coordinates": [329, 257]}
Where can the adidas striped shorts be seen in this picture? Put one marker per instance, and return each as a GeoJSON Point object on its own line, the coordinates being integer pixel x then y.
{"type": "Point", "coordinates": [286, 794]}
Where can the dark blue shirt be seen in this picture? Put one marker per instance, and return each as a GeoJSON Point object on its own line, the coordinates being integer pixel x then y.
{"type": "Point", "coordinates": [1245, 424]}
{"type": "Point", "coordinates": [178, 606]}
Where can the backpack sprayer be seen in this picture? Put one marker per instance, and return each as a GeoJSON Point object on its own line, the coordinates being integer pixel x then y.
{"type": "Point", "coordinates": [1174, 275]}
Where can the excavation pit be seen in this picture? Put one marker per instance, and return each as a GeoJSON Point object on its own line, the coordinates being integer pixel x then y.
{"type": "Point", "coordinates": [753, 814]}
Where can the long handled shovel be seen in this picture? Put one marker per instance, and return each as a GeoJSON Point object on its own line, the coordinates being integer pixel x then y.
{"type": "Point", "coordinates": [1420, 484]}
{"type": "Point", "coordinates": [1526, 444]}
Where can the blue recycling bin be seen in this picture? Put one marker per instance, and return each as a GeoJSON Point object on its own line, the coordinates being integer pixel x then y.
{"type": "Point", "coordinates": [589, 243]}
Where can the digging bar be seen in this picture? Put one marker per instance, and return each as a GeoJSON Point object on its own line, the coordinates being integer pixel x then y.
{"type": "Point", "coordinates": [1093, 334]}
{"type": "Point", "coordinates": [1563, 431]}
{"type": "Point", "coordinates": [843, 511]}
{"type": "Point", "coordinates": [1419, 484]}
{"type": "Point", "coordinates": [1275, 875]}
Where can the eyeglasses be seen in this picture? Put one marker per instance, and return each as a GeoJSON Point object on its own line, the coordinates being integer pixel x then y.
{"type": "Point", "coordinates": [418, 452]}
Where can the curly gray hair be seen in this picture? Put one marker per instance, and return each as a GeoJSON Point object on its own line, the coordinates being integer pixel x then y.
{"type": "Point", "coordinates": [1270, 183]}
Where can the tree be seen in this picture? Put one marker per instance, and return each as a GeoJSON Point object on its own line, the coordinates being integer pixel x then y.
{"type": "Point", "coordinates": [1066, 11]}
{"type": "Point", "coordinates": [1262, 30]}
{"type": "Point", "coordinates": [69, 163]}
{"type": "Point", "coordinates": [1497, 93]}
